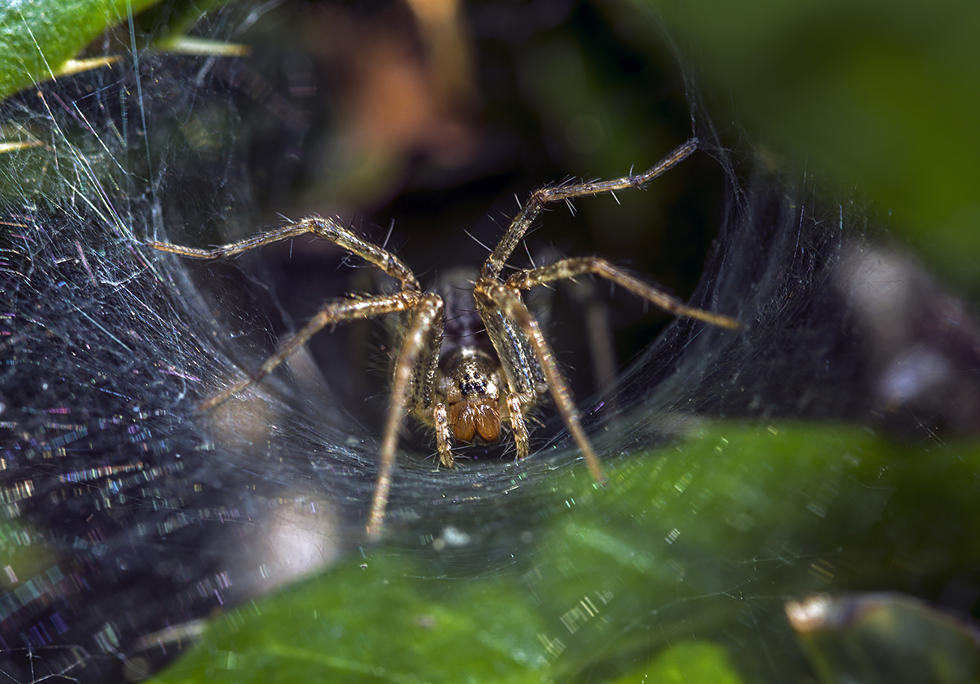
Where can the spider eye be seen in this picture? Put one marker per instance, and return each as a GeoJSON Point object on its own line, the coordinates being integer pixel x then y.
{"type": "Point", "coordinates": [472, 386]}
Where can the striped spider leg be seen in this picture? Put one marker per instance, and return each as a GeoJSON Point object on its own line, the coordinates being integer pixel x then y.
{"type": "Point", "coordinates": [469, 356]}
{"type": "Point", "coordinates": [499, 302]}
{"type": "Point", "coordinates": [415, 365]}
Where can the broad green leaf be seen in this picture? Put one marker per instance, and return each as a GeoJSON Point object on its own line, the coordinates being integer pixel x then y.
{"type": "Point", "coordinates": [687, 663]}
{"type": "Point", "coordinates": [39, 39]}
{"type": "Point", "coordinates": [707, 539]}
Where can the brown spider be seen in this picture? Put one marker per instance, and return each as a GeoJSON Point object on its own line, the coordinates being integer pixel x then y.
{"type": "Point", "coordinates": [460, 382]}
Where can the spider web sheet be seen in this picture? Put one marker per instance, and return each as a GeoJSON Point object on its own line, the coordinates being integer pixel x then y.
{"type": "Point", "coordinates": [129, 518]}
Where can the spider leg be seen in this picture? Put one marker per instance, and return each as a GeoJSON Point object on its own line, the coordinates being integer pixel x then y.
{"type": "Point", "coordinates": [515, 409]}
{"type": "Point", "coordinates": [324, 228]}
{"type": "Point", "coordinates": [492, 296]}
{"type": "Point", "coordinates": [444, 440]}
{"type": "Point", "coordinates": [427, 317]}
{"type": "Point", "coordinates": [542, 196]}
{"type": "Point", "coordinates": [234, 248]}
{"type": "Point", "coordinates": [570, 268]}
{"type": "Point", "coordinates": [330, 313]}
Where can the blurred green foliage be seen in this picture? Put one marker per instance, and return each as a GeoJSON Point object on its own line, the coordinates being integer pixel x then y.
{"type": "Point", "coordinates": [875, 98]}
{"type": "Point", "coordinates": [705, 540]}
{"type": "Point", "coordinates": [889, 638]}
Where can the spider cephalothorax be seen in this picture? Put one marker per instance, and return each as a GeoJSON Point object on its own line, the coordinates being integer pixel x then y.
{"type": "Point", "coordinates": [442, 374]}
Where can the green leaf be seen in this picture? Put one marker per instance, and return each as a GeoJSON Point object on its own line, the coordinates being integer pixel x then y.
{"type": "Point", "coordinates": [706, 539]}
{"type": "Point", "coordinates": [39, 38]}
{"type": "Point", "coordinates": [373, 622]}
{"type": "Point", "coordinates": [687, 663]}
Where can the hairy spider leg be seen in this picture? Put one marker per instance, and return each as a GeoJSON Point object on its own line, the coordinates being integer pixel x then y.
{"type": "Point", "coordinates": [492, 296]}
{"type": "Point", "coordinates": [542, 196]}
{"type": "Point", "coordinates": [426, 318]}
{"type": "Point", "coordinates": [570, 268]}
{"type": "Point", "coordinates": [516, 405]}
{"type": "Point", "coordinates": [425, 327]}
{"type": "Point", "coordinates": [423, 391]}
{"type": "Point", "coordinates": [444, 438]}
{"type": "Point", "coordinates": [330, 313]}
{"type": "Point", "coordinates": [324, 228]}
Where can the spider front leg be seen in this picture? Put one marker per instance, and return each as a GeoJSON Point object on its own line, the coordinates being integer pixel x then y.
{"type": "Point", "coordinates": [494, 299]}
{"type": "Point", "coordinates": [416, 364]}
{"type": "Point", "coordinates": [444, 438]}
{"type": "Point", "coordinates": [518, 425]}
{"type": "Point", "coordinates": [570, 268]}
{"type": "Point", "coordinates": [330, 313]}
{"type": "Point", "coordinates": [542, 196]}
{"type": "Point", "coordinates": [323, 228]}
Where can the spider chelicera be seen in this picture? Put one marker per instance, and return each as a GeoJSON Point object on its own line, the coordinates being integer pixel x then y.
{"type": "Point", "coordinates": [461, 381]}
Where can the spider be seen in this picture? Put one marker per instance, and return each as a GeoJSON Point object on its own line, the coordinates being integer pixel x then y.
{"type": "Point", "coordinates": [467, 379]}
